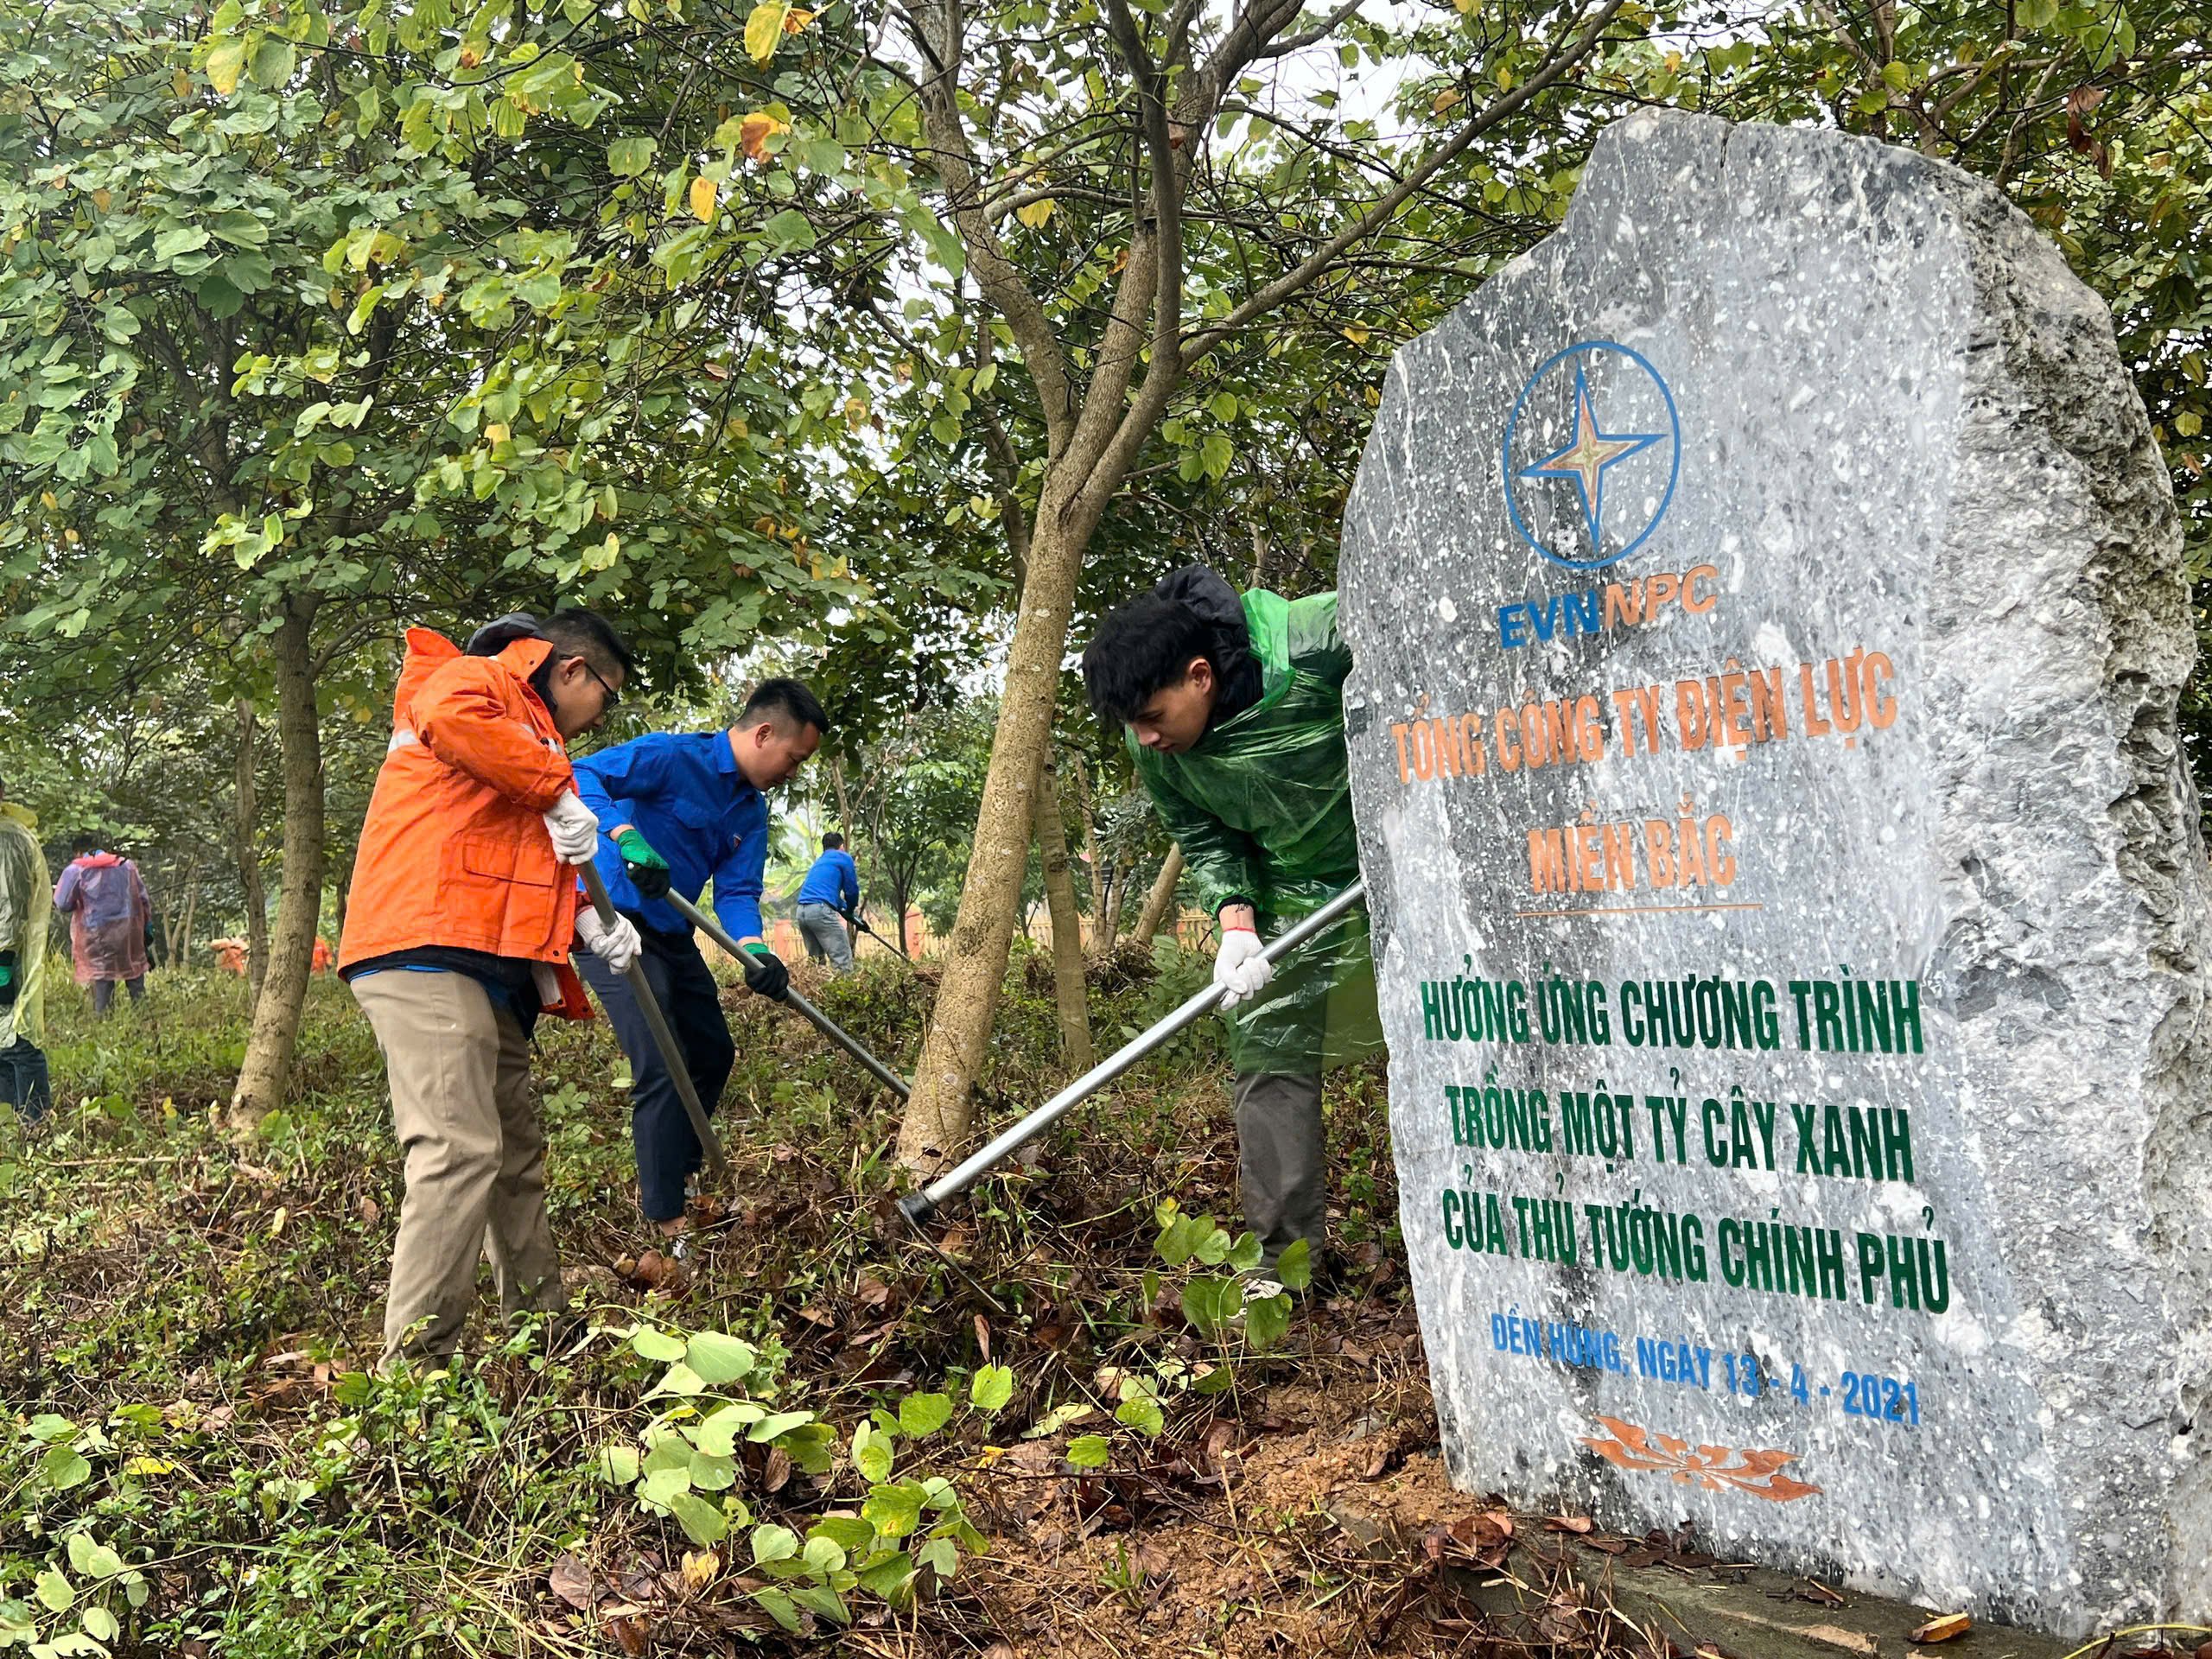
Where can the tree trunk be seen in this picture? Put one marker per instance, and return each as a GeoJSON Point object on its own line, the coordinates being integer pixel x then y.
{"type": "Point", "coordinates": [1101, 877]}
{"type": "Point", "coordinates": [1160, 899]}
{"type": "Point", "coordinates": [246, 835]}
{"type": "Point", "coordinates": [1109, 921]}
{"type": "Point", "coordinates": [340, 888]}
{"type": "Point", "coordinates": [276, 1011]}
{"type": "Point", "coordinates": [180, 941]}
{"type": "Point", "coordinates": [1068, 987]}
{"type": "Point", "coordinates": [939, 1113]}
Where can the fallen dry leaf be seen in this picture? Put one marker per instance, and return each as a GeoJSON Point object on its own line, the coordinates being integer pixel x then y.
{"type": "Point", "coordinates": [570, 1579]}
{"type": "Point", "coordinates": [1574, 1523]}
{"type": "Point", "coordinates": [700, 1568]}
{"type": "Point", "coordinates": [778, 1473]}
{"type": "Point", "coordinates": [1944, 1629]}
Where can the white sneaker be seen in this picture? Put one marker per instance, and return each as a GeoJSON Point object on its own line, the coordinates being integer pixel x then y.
{"type": "Point", "coordinates": [1259, 1289]}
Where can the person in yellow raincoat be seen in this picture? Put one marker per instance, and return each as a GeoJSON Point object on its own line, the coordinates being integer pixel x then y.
{"type": "Point", "coordinates": [26, 904]}
{"type": "Point", "coordinates": [1233, 710]}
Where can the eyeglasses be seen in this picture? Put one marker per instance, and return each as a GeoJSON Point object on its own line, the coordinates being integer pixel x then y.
{"type": "Point", "coordinates": [613, 698]}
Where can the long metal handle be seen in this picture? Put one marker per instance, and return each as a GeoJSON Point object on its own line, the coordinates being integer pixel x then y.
{"type": "Point", "coordinates": [822, 1022]}
{"type": "Point", "coordinates": [919, 1206]}
{"type": "Point", "coordinates": [672, 1056]}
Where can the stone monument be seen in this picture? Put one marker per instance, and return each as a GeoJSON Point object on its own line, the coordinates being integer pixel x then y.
{"type": "Point", "coordinates": [1789, 899]}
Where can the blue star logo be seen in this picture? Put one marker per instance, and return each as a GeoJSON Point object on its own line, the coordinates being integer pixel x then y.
{"type": "Point", "coordinates": [1590, 451]}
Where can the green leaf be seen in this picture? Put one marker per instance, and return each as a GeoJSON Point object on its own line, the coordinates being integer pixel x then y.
{"type": "Point", "coordinates": [240, 230]}
{"type": "Point", "coordinates": [182, 239]}
{"type": "Point", "coordinates": [710, 1473]}
{"type": "Point", "coordinates": [656, 1345]}
{"type": "Point", "coordinates": [1245, 1253]}
{"type": "Point", "coordinates": [62, 1467]}
{"type": "Point", "coordinates": [718, 1358]}
{"type": "Point", "coordinates": [53, 1589]}
{"type": "Point", "coordinates": [702, 1523]}
{"type": "Point", "coordinates": [773, 1544]}
{"type": "Point", "coordinates": [942, 1556]}
{"type": "Point", "coordinates": [791, 231]}
{"type": "Point", "coordinates": [720, 1430]}
{"type": "Point", "coordinates": [93, 1558]}
{"type": "Point", "coordinates": [101, 1625]}
{"type": "Point", "coordinates": [848, 1532]}
{"type": "Point", "coordinates": [1142, 1412]}
{"type": "Point", "coordinates": [924, 1413]}
{"type": "Point", "coordinates": [872, 1453]}
{"type": "Point", "coordinates": [991, 1388]}
{"type": "Point", "coordinates": [1089, 1451]}
{"type": "Point", "coordinates": [224, 64]}
{"type": "Point", "coordinates": [824, 1603]}
{"type": "Point", "coordinates": [664, 1486]}
{"type": "Point", "coordinates": [273, 62]}
{"type": "Point", "coordinates": [1265, 1320]}
{"type": "Point", "coordinates": [781, 1422]}
{"type": "Point", "coordinates": [894, 1509]}
{"type": "Point", "coordinates": [679, 1380]}
{"type": "Point", "coordinates": [779, 1609]}
{"type": "Point", "coordinates": [1294, 1267]}
{"type": "Point", "coordinates": [630, 157]}
{"type": "Point", "coordinates": [2029, 14]}
{"type": "Point", "coordinates": [1223, 406]}
{"type": "Point", "coordinates": [617, 1464]}
{"type": "Point", "coordinates": [764, 28]}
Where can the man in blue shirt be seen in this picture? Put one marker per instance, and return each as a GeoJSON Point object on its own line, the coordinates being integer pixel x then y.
{"type": "Point", "coordinates": [830, 894]}
{"type": "Point", "coordinates": [675, 811]}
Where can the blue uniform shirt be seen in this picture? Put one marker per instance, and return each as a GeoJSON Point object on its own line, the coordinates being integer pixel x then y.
{"type": "Point", "coordinates": [682, 793]}
{"type": "Point", "coordinates": [834, 880]}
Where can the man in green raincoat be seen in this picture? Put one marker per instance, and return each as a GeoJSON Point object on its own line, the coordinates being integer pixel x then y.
{"type": "Point", "coordinates": [1234, 715]}
{"type": "Point", "coordinates": [26, 903]}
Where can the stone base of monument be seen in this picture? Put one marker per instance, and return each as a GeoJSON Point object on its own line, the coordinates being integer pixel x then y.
{"type": "Point", "coordinates": [1747, 1612]}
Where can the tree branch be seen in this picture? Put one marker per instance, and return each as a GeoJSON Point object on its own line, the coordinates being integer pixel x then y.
{"type": "Point", "coordinates": [1554, 65]}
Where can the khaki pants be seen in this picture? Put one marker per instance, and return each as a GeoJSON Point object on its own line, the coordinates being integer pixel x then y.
{"type": "Point", "coordinates": [467, 1125]}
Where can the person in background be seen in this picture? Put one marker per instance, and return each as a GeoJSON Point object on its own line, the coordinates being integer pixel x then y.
{"type": "Point", "coordinates": [830, 895]}
{"type": "Point", "coordinates": [25, 901]}
{"type": "Point", "coordinates": [678, 809]}
{"type": "Point", "coordinates": [111, 918]}
{"type": "Point", "coordinates": [458, 928]}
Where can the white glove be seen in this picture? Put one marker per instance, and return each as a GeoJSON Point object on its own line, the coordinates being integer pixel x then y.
{"type": "Point", "coordinates": [574, 831]}
{"type": "Point", "coordinates": [616, 943]}
{"type": "Point", "coordinates": [1239, 968]}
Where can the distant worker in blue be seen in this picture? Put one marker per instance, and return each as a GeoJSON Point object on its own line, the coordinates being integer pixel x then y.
{"type": "Point", "coordinates": [677, 810]}
{"type": "Point", "coordinates": [828, 900]}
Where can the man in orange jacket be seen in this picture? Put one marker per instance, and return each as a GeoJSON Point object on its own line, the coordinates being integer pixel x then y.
{"type": "Point", "coordinates": [458, 928]}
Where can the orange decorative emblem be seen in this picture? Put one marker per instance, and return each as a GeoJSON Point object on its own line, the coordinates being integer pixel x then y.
{"type": "Point", "coordinates": [1716, 1468]}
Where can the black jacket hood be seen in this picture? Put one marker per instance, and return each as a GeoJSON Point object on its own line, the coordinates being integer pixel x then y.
{"type": "Point", "coordinates": [1216, 604]}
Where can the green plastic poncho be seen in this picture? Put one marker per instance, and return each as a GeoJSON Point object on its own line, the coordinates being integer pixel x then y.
{"type": "Point", "coordinates": [26, 906]}
{"type": "Point", "coordinates": [1262, 807]}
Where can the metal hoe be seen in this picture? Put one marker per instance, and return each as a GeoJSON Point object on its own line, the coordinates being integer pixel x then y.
{"type": "Point", "coordinates": [919, 1207]}
{"type": "Point", "coordinates": [821, 1021]}
{"type": "Point", "coordinates": [664, 1040]}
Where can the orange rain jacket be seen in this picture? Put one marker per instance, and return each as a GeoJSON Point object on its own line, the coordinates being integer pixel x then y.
{"type": "Point", "coordinates": [455, 851]}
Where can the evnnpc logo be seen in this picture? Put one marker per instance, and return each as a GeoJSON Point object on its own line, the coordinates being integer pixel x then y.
{"type": "Point", "coordinates": [1592, 451]}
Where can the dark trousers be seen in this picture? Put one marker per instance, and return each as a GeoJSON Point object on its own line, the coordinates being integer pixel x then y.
{"type": "Point", "coordinates": [24, 1083]}
{"type": "Point", "coordinates": [1281, 1175]}
{"type": "Point", "coordinates": [668, 1150]}
{"type": "Point", "coordinates": [104, 992]}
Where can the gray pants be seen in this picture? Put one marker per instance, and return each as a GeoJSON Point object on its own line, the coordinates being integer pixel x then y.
{"type": "Point", "coordinates": [823, 929]}
{"type": "Point", "coordinates": [1280, 1173]}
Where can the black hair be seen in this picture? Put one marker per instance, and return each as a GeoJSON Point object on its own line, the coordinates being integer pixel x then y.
{"type": "Point", "coordinates": [81, 842]}
{"type": "Point", "coordinates": [786, 701]}
{"type": "Point", "coordinates": [573, 633]}
{"type": "Point", "coordinates": [1143, 645]}
{"type": "Point", "coordinates": [832, 842]}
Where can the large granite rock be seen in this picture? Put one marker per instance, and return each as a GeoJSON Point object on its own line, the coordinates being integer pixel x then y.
{"type": "Point", "coordinates": [1789, 899]}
